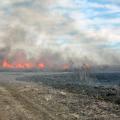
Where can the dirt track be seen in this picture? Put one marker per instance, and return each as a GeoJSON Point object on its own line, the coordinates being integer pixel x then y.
{"type": "Point", "coordinates": [26, 101]}
{"type": "Point", "coordinates": [19, 101]}
{"type": "Point", "coordinates": [17, 106]}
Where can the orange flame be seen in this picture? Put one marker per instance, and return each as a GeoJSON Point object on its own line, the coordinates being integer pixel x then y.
{"type": "Point", "coordinates": [41, 65]}
{"type": "Point", "coordinates": [6, 64]}
{"type": "Point", "coordinates": [66, 66]}
{"type": "Point", "coordinates": [29, 65]}
{"type": "Point", "coordinates": [23, 65]}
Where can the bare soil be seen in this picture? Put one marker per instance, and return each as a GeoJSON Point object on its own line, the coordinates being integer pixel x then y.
{"type": "Point", "coordinates": [30, 101]}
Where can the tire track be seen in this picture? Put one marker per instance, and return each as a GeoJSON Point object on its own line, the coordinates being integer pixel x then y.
{"type": "Point", "coordinates": [10, 109]}
{"type": "Point", "coordinates": [37, 110]}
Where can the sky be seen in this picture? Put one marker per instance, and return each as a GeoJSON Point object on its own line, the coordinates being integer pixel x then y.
{"type": "Point", "coordinates": [58, 31]}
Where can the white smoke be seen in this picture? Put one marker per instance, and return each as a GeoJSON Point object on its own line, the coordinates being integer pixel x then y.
{"type": "Point", "coordinates": [44, 34]}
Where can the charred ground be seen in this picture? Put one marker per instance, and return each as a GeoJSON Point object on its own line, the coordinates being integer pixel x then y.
{"type": "Point", "coordinates": [53, 96]}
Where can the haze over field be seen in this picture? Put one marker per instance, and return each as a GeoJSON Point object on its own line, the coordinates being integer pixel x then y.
{"type": "Point", "coordinates": [59, 60]}
{"type": "Point", "coordinates": [49, 32]}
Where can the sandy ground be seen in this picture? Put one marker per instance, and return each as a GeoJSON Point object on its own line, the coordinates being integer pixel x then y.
{"type": "Point", "coordinates": [30, 101]}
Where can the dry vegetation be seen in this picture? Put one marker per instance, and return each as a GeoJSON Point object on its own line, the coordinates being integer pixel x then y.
{"type": "Point", "coordinates": [32, 101]}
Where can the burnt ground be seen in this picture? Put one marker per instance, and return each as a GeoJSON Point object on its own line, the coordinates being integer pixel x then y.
{"type": "Point", "coordinates": [20, 100]}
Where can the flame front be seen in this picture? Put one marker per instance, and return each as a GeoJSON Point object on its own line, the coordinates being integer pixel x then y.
{"type": "Point", "coordinates": [41, 65]}
{"type": "Point", "coordinates": [29, 65]}
{"type": "Point", "coordinates": [25, 65]}
{"type": "Point", "coordinates": [6, 64]}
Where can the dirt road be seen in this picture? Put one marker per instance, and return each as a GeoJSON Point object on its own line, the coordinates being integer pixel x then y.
{"type": "Point", "coordinates": [14, 105]}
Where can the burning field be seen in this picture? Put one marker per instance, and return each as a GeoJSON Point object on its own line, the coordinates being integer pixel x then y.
{"type": "Point", "coordinates": [47, 89]}
{"type": "Point", "coordinates": [27, 65]}
{"type": "Point", "coordinates": [59, 60]}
